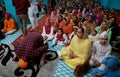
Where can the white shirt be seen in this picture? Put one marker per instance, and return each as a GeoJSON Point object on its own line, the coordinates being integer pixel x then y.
{"type": "Point", "coordinates": [51, 31]}
{"type": "Point", "coordinates": [33, 9]}
{"type": "Point", "coordinates": [60, 42]}
{"type": "Point", "coordinates": [99, 52]}
{"type": "Point", "coordinates": [93, 38]}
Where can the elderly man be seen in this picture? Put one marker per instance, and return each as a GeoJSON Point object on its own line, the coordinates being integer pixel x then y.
{"type": "Point", "coordinates": [31, 48]}
{"type": "Point", "coordinates": [100, 50]}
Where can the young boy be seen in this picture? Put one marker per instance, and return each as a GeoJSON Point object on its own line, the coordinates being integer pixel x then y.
{"type": "Point", "coordinates": [60, 38]}
{"type": "Point", "coordinates": [93, 36]}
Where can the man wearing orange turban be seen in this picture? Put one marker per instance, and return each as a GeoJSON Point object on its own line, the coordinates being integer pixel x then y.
{"type": "Point", "coordinates": [9, 24]}
{"type": "Point", "coordinates": [31, 48]}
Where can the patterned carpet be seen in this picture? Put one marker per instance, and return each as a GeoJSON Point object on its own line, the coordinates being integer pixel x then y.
{"type": "Point", "coordinates": [11, 69]}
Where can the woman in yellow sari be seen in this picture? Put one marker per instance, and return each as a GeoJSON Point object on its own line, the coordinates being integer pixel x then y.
{"type": "Point", "coordinates": [79, 50]}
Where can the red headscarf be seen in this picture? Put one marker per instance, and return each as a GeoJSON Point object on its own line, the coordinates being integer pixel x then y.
{"type": "Point", "coordinates": [8, 15]}
{"type": "Point", "coordinates": [60, 37]}
{"type": "Point", "coordinates": [47, 28]}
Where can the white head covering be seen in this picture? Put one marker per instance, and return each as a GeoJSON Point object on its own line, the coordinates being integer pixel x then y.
{"type": "Point", "coordinates": [104, 35]}
{"type": "Point", "coordinates": [75, 27]}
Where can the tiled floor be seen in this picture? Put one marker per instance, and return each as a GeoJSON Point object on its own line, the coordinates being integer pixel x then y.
{"type": "Point", "coordinates": [62, 69]}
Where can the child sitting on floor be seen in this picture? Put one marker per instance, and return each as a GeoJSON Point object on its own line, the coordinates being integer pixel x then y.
{"type": "Point", "coordinates": [60, 38]}
{"type": "Point", "coordinates": [93, 36]}
{"type": "Point", "coordinates": [73, 33]}
{"type": "Point", "coordinates": [110, 68]}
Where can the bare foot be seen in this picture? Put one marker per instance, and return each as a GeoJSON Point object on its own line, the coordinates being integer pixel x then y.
{"type": "Point", "coordinates": [61, 58]}
{"type": "Point", "coordinates": [42, 63]}
{"type": "Point", "coordinates": [14, 57]}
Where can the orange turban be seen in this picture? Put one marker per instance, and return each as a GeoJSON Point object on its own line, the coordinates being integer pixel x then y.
{"type": "Point", "coordinates": [22, 64]}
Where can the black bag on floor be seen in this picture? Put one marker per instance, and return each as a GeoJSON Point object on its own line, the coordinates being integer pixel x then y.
{"type": "Point", "coordinates": [2, 35]}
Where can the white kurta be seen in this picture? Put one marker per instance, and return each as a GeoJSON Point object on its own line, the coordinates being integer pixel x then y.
{"type": "Point", "coordinates": [50, 35]}
{"type": "Point", "coordinates": [93, 38]}
{"type": "Point", "coordinates": [60, 42]}
{"type": "Point", "coordinates": [32, 13]}
{"type": "Point", "coordinates": [99, 52]}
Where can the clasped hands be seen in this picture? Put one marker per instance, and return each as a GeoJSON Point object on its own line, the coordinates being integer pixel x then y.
{"type": "Point", "coordinates": [71, 54]}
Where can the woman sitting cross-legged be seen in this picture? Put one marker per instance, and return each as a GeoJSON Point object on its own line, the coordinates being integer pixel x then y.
{"type": "Point", "coordinates": [9, 24]}
{"type": "Point", "coordinates": [79, 50]}
{"type": "Point", "coordinates": [60, 38]}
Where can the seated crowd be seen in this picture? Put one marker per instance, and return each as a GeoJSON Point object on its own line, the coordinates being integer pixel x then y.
{"type": "Point", "coordinates": [85, 29]}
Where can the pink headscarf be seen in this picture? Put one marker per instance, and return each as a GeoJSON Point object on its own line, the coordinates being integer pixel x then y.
{"type": "Point", "coordinates": [8, 15]}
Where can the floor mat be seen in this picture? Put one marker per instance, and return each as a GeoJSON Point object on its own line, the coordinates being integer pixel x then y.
{"type": "Point", "coordinates": [53, 68]}
{"type": "Point", "coordinates": [11, 69]}
{"type": "Point", "coordinates": [62, 69]}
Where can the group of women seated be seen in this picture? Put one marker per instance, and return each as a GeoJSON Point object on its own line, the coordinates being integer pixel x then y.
{"type": "Point", "coordinates": [86, 34]}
